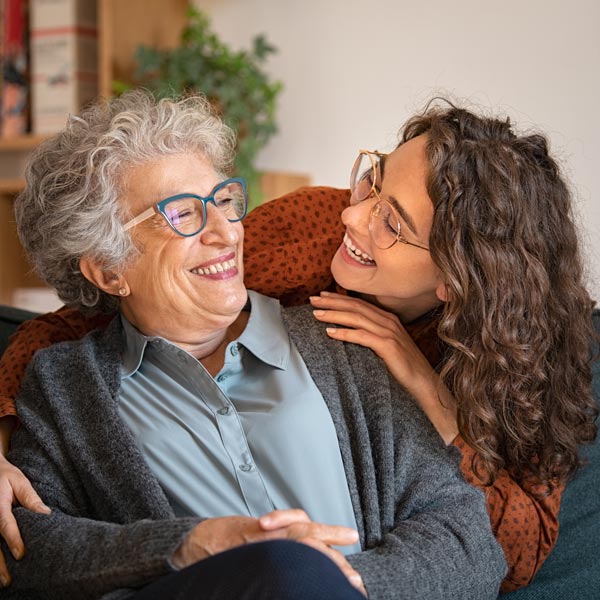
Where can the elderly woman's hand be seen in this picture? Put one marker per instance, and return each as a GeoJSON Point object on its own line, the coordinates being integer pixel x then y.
{"type": "Point", "coordinates": [298, 526]}
{"type": "Point", "coordinates": [216, 535]}
{"type": "Point", "coordinates": [367, 325]}
{"type": "Point", "coordinates": [14, 487]}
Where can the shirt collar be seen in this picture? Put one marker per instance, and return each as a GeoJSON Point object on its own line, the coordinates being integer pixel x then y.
{"type": "Point", "coordinates": [135, 345]}
{"type": "Point", "coordinates": [265, 336]}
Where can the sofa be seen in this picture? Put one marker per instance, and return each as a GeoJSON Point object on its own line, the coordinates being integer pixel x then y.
{"type": "Point", "coordinates": [572, 571]}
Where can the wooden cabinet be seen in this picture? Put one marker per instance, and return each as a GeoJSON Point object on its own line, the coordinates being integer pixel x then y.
{"type": "Point", "coordinates": [122, 26]}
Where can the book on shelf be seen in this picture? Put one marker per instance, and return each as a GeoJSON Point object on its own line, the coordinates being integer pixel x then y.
{"type": "Point", "coordinates": [14, 113]}
{"type": "Point", "coordinates": [64, 48]}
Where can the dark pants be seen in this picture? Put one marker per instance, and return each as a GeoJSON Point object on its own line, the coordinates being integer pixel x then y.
{"type": "Point", "coordinates": [277, 570]}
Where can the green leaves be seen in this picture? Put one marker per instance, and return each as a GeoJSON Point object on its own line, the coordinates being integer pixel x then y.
{"type": "Point", "coordinates": [234, 82]}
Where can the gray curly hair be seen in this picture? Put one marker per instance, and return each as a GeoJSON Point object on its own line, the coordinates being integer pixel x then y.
{"type": "Point", "coordinates": [70, 207]}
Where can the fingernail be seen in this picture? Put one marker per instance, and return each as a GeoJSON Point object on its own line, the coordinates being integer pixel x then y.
{"type": "Point", "coordinates": [265, 520]}
{"type": "Point", "coordinates": [318, 313]}
{"type": "Point", "coordinates": [43, 508]}
{"type": "Point", "coordinates": [331, 330]}
{"type": "Point", "coordinates": [325, 293]}
{"type": "Point", "coordinates": [4, 581]}
{"type": "Point", "coordinates": [17, 553]}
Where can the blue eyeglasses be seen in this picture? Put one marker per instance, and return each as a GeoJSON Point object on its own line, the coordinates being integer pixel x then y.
{"type": "Point", "coordinates": [186, 213]}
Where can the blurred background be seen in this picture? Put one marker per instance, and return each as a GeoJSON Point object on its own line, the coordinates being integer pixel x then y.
{"type": "Point", "coordinates": [305, 83]}
{"type": "Point", "coordinates": [354, 71]}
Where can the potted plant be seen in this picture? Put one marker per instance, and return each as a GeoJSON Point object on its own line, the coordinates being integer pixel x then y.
{"type": "Point", "coordinates": [233, 81]}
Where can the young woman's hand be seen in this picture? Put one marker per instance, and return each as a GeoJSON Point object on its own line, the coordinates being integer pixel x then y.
{"type": "Point", "coordinates": [360, 322]}
{"type": "Point", "coordinates": [14, 488]}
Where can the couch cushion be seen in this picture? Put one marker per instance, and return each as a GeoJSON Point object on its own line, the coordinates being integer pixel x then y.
{"type": "Point", "coordinates": [10, 319]}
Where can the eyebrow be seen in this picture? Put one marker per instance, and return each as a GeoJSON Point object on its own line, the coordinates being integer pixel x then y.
{"type": "Point", "coordinates": [405, 216]}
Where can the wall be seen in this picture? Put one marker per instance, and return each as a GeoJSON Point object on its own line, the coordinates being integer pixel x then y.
{"type": "Point", "coordinates": [354, 71]}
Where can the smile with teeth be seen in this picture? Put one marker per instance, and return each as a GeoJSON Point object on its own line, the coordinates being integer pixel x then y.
{"type": "Point", "coordinates": [358, 255]}
{"type": "Point", "coordinates": [219, 267]}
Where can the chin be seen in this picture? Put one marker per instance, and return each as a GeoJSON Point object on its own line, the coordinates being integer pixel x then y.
{"type": "Point", "coordinates": [345, 275]}
{"type": "Point", "coordinates": [235, 302]}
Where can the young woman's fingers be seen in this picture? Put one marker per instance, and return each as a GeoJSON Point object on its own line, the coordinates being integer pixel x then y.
{"type": "Point", "coordinates": [385, 348]}
{"type": "Point", "coordinates": [15, 488]}
{"type": "Point", "coordinates": [9, 529]}
{"type": "Point", "coordinates": [359, 307]}
{"type": "Point", "coordinates": [4, 574]}
{"type": "Point", "coordinates": [339, 299]}
{"type": "Point", "coordinates": [355, 321]}
{"type": "Point", "coordinates": [27, 497]}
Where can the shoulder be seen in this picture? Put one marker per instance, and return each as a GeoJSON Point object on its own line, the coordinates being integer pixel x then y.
{"type": "Point", "coordinates": [369, 395]}
{"type": "Point", "coordinates": [319, 205]}
{"type": "Point", "coordinates": [308, 333]}
{"type": "Point", "coordinates": [331, 360]}
{"type": "Point", "coordinates": [66, 362]}
{"type": "Point", "coordinates": [290, 242]}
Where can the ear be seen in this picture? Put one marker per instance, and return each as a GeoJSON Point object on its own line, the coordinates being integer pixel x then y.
{"type": "Point", "coordinates": [441, 291]}
{"type": "Point", "coordinates": [107, 281]}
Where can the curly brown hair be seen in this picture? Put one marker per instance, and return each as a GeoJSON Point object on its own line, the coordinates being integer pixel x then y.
{"type": "Point", "coordinates": [517, 325]}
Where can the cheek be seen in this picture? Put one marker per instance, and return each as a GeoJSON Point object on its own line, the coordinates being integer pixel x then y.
{"type": "Point", "coordinates": [158, 260]}
{"type": "Point", "coordinates": [403, 265]}
{"type": "Point", "coordinates": [241, 232]}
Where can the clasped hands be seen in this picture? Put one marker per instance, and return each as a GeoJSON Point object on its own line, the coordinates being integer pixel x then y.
{"type": "Point", "coordinates": [215, 535]}
{"type": "Point", "coordinates": [208, 538]}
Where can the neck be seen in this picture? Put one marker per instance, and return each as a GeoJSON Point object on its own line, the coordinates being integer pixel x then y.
{"type": "Point", "coordinates": [207, 345]}
{"type": "Point", "coordinates": [212, 356]}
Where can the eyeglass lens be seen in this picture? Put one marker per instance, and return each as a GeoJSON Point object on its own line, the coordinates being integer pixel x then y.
{"type": "Point", "coordinates": [364, 176]}
{"type": "Point", "coordinates": [187, 214]}
{"type": "Point", "coordinates": [384, 225]}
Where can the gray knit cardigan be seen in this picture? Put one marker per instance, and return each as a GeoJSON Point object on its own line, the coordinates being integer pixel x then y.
{"type": "Point", "coordinates": [425, 533]}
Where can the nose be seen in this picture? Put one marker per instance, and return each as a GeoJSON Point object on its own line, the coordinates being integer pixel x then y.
{"type": "Point", "coordinates": [218, 229]}
{"type": "Point", "coordinates": [356, 216]}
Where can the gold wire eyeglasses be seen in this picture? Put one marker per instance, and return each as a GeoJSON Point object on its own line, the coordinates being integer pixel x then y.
{"type": "Point", "coordinates": [385, 226]}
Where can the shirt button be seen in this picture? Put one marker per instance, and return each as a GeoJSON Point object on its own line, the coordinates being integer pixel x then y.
{"type": "Point", "coordinates": [234, 350]}
{"type": "Point", "coordinates": [223, 411]}
{"type": "Point", "coordinates": [245, 468]}
{"type": "Point", "coordinates": [222, 377]}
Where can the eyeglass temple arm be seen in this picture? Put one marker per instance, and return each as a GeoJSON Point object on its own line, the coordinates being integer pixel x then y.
{"type": "Point", "coordinates": [141, 217]}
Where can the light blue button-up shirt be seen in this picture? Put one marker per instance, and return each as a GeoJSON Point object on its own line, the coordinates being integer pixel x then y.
{"type": "Point", "coordinates": [257, 437]}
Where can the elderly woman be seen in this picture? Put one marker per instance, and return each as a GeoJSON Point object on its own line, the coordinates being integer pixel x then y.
{"type": "Point", "coordinates": [203, 417]}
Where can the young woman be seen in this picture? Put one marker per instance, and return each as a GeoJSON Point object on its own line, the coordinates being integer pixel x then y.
{"type": "Point", "coordinates": [464, 244]}
{"type": "Point", "coordinates": [468, 226]}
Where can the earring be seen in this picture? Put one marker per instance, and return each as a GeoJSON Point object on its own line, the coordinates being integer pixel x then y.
{"type": "Point", "coordinates": [122, 291]}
